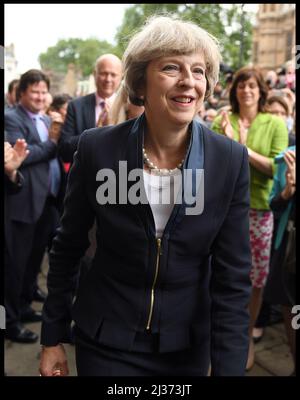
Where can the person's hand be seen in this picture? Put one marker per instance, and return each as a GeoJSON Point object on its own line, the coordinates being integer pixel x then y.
{"type": "Point", "coordinates": [243, 132]}
{"type": "Point", "coordinates": [14, 156]}
{"type": "Point", "coordinates": [290, 187]}
{"type": "Point", "coordinates": [53, 361]}
{"type": "Point", "coordinates": [290, 97]}
{"type": "Point", "coordinates": [289, 93]}
{"type": "Point", "coordinates": [226, 125]}
{"type": "Point", "coordinates": [55, 127]}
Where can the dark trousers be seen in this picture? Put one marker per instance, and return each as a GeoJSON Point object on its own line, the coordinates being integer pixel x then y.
{"type": "Point", "coordinates": [94, 359]}
{"type": "Point", "coordinates": [24, 253]}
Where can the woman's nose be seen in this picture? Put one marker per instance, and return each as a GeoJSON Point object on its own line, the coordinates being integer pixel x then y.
{"type": "Point", "coordinates": [186, 79]}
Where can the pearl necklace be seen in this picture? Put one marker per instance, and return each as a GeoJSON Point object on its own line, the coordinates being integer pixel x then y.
{"type": "Point", "coordinates": [160, 171]}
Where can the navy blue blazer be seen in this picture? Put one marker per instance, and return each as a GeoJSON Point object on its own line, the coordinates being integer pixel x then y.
{"type": "Point", "coordinates": [80, 116]}
{"type": "Point", "coordinates": [27, 205]}
{"type": "Point", "coordinates": [201, 272]}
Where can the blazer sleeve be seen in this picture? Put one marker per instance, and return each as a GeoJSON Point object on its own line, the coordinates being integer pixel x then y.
{"type": "Point", "coordinates": [69, 135]}
{"type": "Point", "coordinates": [14, 187]}
{"type": "Point", "coordinates": [68, 247]}
{"type": "Point", "coordinates": [230, 280]}
{"type": "Point", "coordinates": [280, 140]}
{"type": "Point", "coordinates": [38, 152]}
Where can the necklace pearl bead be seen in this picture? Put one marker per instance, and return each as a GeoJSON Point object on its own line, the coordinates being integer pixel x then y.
{"type": "Point", "coordinates": [162, 171]}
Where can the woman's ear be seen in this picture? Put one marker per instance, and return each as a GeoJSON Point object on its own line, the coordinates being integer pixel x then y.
{"type": "Point", "coordinates": [141, 96]}
{"type": "Point", "coordinates": [141, 92]}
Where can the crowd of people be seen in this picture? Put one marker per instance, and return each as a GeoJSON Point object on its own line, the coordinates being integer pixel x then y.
{"type": "Point", "coordinates": [163, 101]}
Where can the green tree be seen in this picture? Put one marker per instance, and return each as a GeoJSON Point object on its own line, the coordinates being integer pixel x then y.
{"type": "Point", "coordinates": [82, 53]}
{"type": "Point", "coordinates": [135, 16]}
{"type": "Point", "coordinates": [222, 21]}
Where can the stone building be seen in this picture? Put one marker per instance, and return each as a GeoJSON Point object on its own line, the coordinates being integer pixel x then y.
{"type": "Point", "coordinates": [63, 82]}
{"type": "Point", "coordinates": [70, 81]}
{"type": "Point", "coordinates": [86, 86]}
{"type": "Point", "coordinates": [274, 35]}
{"type": "Point", "coordinates": [11, 66]}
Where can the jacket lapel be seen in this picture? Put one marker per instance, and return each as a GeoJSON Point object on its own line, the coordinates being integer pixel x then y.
{"type": "Point", "coordinates": [192, 181]}
{"type": "Point", "coordinates": [134, 157]}
{"type": "Point", "coordinates": [28, 123]}
{"type": "Point", "coordinates": [89, 111]}
{"type": "Point", "coordinates": [191, 185]}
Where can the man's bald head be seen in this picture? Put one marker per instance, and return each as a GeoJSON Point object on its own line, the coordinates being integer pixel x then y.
{"type": "Point", "coordinates": [108, 74]}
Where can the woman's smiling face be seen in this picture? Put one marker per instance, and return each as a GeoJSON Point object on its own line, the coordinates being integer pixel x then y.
{"type": "Point", "coordinates": [175, 89]}
{"type": "Point", "coordinates": [248, 93]}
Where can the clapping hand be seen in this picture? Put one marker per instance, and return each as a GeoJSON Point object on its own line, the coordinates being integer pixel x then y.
{"type": "Point", "coordinates": [290, 187]}
{"type": "Point", "coordinates": [243, 131]}
{"type": "Point", "coordinates": [226, 125]}
{"type": "Point", "coordinates": [14, 156]}
{"type": "Point", "coordinates": [55, 127]}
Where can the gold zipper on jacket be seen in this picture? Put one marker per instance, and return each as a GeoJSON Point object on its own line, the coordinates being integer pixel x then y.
{"type": "Point", "coordinates": [153, 284]}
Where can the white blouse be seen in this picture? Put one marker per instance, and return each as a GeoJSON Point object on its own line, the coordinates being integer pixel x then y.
{"type": "Point", "coordinates": [161, 193]}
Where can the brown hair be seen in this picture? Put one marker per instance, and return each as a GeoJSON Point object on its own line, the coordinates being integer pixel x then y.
{"type": "Point", "coordinates": [30, 78]}
{"type": "Point", "coordinates": [242, 75]}
{"type": "Point", "coordinates": [281, 101]}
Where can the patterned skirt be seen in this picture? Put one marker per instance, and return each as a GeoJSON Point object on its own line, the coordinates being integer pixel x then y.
{"type": "Point", "coordinates": [261, 230]}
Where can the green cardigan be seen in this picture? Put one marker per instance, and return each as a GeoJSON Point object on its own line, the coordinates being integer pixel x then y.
{"type": "Point", "coordinates": [267, 136]}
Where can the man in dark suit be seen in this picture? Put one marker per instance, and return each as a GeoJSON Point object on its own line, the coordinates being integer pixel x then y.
{"type": "Point", "coordinates": [14, 181]}
{"type": "Point", "coordinates": [33, 212]}
{"type": "Point", "coordinates": [87, 111]}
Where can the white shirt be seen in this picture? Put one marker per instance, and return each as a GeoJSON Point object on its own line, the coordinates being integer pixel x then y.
{"type": "Point", "coordinates": [161, 193]}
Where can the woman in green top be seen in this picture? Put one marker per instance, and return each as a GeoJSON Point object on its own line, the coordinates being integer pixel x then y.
{"type": "Point", "coordinates": [265, 136]}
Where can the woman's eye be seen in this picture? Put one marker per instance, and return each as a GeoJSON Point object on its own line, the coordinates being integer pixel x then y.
{"type": "Point", "coordinates": [170, 67]}
{"type": "Point", "coordinates": [199, 71]}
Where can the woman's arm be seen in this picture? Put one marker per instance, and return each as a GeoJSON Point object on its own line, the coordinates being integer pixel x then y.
{"type": "Point", "coordinates": [262, 163]}
{"type": "Point", "coordinates": [68, 247]}
{"type": "Point", "coordinates": [279, 142]}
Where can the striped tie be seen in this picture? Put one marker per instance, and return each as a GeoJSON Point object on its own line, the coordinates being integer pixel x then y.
{"type": "Point", "coordinates": [102, 120]}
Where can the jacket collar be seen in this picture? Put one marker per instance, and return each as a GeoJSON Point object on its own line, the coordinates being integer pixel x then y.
{"type": "Point", "coordinates": [88, 105]}
{"type": "Point", "coordinates": [195, 153]}
{"type": "Point", "coordinates": [194, 160]}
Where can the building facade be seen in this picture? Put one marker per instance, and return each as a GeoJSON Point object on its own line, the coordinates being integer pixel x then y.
{"type": "Point", "coordinates": [11, 66]}
{"type": "Point", "coordinates": [274, 35]}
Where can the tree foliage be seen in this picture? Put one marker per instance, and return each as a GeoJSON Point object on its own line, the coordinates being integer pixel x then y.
{"type": "Point", "coordinates": [82, 53]}
{"type": "Point", "coordinates": [224, 22]}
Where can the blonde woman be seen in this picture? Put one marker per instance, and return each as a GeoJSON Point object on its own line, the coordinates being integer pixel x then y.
{"type": "Point", "coordinates": [169, 285]}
